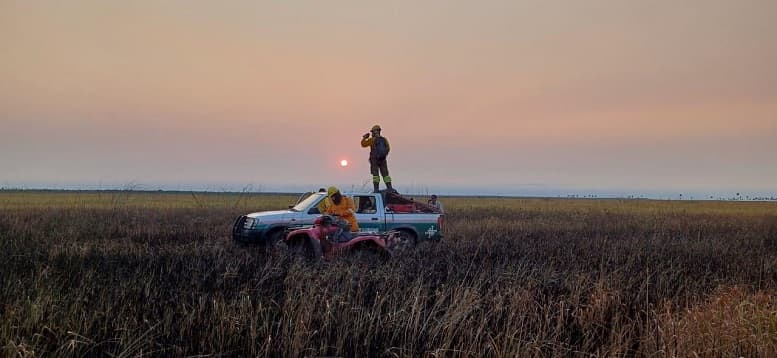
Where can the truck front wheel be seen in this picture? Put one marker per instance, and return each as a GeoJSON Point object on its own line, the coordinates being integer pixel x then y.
{"type": "Point", "coordinates": [301, 246]}
{"type": "Point", "coordinates": [275, 236]}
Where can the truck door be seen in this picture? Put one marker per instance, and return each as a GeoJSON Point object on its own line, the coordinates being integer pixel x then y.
{"type": "Point", "coordinates": [369, 213]}
{"type": "Point", "coordinates": [309, 214]}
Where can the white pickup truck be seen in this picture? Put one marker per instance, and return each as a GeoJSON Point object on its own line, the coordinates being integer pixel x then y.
{"type": "Point", "coordinates": [375, 212]}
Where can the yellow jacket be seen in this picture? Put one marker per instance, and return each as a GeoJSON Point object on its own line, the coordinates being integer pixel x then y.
{"type": "Point", "coordinates": [344, 210]}
{"type": "Point", "coordinates": [324, 205]}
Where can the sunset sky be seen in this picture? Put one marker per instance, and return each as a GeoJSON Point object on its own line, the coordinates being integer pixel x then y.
{"type": "Point", "coordinates": [511, 97]}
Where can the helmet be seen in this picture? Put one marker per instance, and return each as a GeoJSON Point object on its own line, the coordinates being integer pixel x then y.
{"type": "Point", "coordinates": [332, 190]}
{"type": "Point", "coordinates": [375, 128]}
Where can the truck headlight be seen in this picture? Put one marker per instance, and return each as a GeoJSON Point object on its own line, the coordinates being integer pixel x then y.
{"type": "Point", "coordinates": [249, 223]}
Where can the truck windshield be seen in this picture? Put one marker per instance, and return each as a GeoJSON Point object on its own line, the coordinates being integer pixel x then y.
{"type": "Point", "coordinates": [307, 203]}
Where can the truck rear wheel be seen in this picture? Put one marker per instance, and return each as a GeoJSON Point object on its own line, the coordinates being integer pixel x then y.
{"type": "Point", "coordinates": [403, 241]}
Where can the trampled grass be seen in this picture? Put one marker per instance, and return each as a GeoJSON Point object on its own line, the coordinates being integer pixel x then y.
{"type": "Point", "coordinates": [156, 273]}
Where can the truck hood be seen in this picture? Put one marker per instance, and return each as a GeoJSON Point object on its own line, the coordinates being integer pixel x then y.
{"type": "Point", "coordinates": [269, 216]}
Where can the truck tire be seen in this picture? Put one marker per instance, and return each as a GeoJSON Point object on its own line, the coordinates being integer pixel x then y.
{"type": "Point", "coordinates": [404, 241]}
{"type": "Point", "coordinates": [275, 236]}
{"type": "Point", "coordinates": [274, 240]}
{"type": "Point", "coordinates": [301, 246]}
{"type": "Point", "coordinates": [369, 253]}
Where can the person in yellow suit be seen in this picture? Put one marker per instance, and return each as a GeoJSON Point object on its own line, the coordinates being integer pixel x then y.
{"type": "Point", "coordinates": [379, 150]}
{"type": "Point", "coordinates": [341, 206]}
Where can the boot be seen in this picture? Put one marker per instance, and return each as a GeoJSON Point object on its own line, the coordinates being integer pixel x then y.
{"type": "Point", "coordinates": [376, 187]}
{"type": "Point", "coordinates": [389, 187]}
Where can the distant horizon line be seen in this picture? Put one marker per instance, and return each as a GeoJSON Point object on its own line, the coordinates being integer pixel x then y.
{"type": "Point", "coordinates": [450, 191]}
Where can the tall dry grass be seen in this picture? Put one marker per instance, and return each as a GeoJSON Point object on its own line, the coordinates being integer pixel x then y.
{"type": "Point", "coordinates": [522, 277]}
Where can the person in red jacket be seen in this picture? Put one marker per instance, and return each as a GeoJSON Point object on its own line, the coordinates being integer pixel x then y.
{"type": "Point", "coordinates": [379, 150]}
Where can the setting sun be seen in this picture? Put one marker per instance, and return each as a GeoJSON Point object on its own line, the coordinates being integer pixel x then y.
{"type": "Point", "coordinates": [343, 163]}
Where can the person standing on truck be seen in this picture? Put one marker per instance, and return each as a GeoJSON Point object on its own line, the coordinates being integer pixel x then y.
{"type": "Point", "coordinates": [436, 203]}
{"type": "Point", "coordinates": [379, 150]}
{"type": "Point", "coordinates": [341, 206]}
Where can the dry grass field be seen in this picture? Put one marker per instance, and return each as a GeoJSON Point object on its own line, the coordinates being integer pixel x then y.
{"type": "Point", "coordinates": [133, 273]}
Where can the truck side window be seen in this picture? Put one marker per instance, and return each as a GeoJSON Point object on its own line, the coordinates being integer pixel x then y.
{"type": "Point", "coordinates": [366, 205]}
